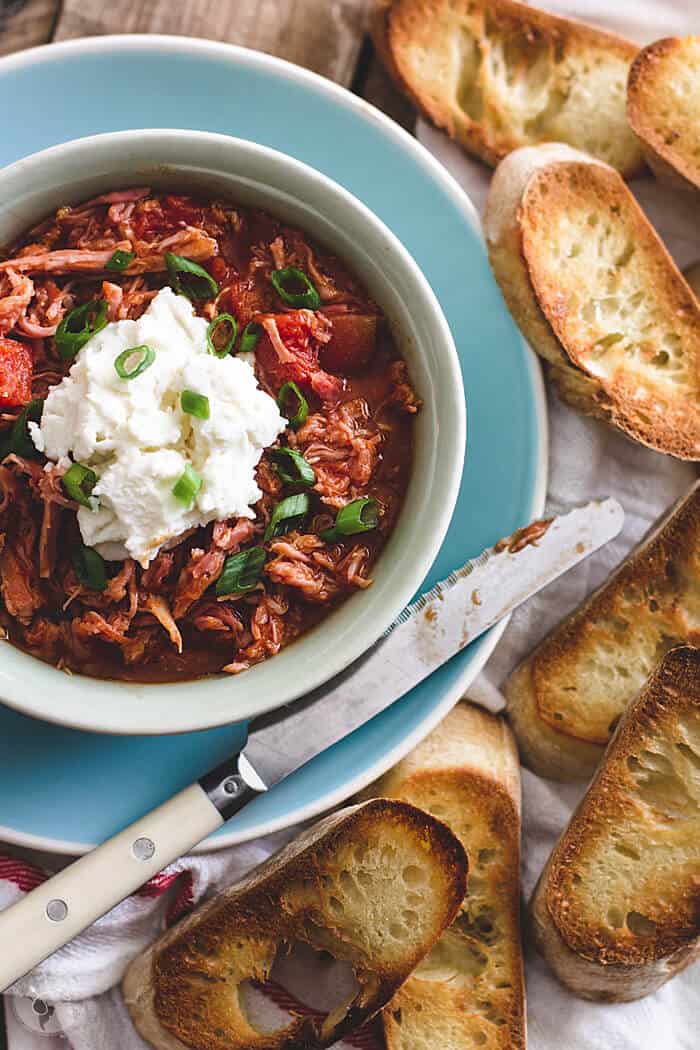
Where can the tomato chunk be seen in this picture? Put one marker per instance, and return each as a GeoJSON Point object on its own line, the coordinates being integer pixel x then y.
{"type": "Point", "coordinates": [16, 366]}
{"type": "Point", "coordinates": [295, 357]}
{"type": "Point", "coordinates": [351, 345]}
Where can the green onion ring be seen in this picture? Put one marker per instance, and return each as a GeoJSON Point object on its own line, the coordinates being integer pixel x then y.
{"type": "Point", "coordinates": [362, 515]}
{"type": "Point", "coordinates": [78, 326]}
{"type": "Point", "coordinates": [189, 278]}
{"type": "Point", "coordinates": [195, 404]}
{"type": "Point", "coordinates": [79, 481]}
{"type": "Point", "coordinates": [89, 568]}
{"type": "Point", "coordinates": [187, 486]}
{"type": "Point", "coordinates": [302, 410]}
{"type": "Point", "coordinates": [241, 571]}
{"type": "Point", "coordinates": [292, 467]}
{"type": "Point", "coordinates": [307, 298]}
{"type": "Point", "coordinates": [287, 514]}
{"type": "Point", "coordinates": [145, 357]}
{"type": "Point", "coordinates": [119, 261]}
{"type": "Point", "coordinates": [249, 337]}
{"type": "Point", "coordinates": [225, 349]}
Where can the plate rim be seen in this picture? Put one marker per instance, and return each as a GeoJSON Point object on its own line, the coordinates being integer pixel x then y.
{"type": "Point", "coordinates": [462, 202]}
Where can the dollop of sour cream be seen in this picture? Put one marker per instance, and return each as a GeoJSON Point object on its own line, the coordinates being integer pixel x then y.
{"type": "Point", "coordinates": [137, 439]}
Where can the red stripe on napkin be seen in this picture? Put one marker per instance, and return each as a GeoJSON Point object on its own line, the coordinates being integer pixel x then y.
{"type": "Point", "coordinates": [25, 876]}
{"type": "Point", "coordinates": [369, 1037]}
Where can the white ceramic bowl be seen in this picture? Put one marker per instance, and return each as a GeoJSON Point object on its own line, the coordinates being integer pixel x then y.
{"type": "Point", "coordinates": [244, 171]}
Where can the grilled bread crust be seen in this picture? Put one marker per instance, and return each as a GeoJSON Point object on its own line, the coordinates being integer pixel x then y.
{"type": "Point", "coordinates": [616, 911]}
{"type": "Point", "coordinates": [566, 698]}
{"type": "Point", "coordinates": [373, 884]}
{"type": "Point", "coordinates": [663, 109]}
{"type": "Point", "coordinates": [469, 990]}
{"type": "Point", "coordinates": [597, 295]}
{"type": "Point", "coordinates": [498, 74]}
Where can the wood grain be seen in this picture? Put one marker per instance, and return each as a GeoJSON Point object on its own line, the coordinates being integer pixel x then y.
{"type": "Point", "coordinates": [323, 35]}
{"type": "Point", "coordinates": [26, 24]}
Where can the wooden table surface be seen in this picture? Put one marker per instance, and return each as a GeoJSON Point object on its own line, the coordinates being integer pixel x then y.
{"type": "Point", "coordinates": [327, 36]}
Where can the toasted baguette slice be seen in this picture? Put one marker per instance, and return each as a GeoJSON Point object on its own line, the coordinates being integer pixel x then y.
{"type": "Point", "coordinates": [596, 293]}
{"type": "Point", "coordinates": [375, 885]}
{"type": "Point", "coordinates": [566, 698]}
{"type": "Point", "coordinates": [616, 911]}
{"type": "Point", "coordinates": [496, 75]}
{"type": "Point", "coordinates": [469, 991]}
{"type": "Point", "coordinates": [663, 108]}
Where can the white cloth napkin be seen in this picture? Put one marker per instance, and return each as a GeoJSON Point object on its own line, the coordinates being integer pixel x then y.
{"type": "Point", "coordinates": [74, 991]}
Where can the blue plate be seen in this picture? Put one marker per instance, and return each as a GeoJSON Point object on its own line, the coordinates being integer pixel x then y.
{"type": "Point", "coordinates": [65, 790]}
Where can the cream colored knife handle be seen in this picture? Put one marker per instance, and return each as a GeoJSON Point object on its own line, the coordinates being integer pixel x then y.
{"type": "Point", "coordinates": [57, 911]}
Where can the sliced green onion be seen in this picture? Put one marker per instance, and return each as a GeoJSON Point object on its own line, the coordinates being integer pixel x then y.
{"type": "Point", "coordinates": [79, 481]}
{"type": "Point", "coordinates": [89, 568]}
{"type": "Point", "coordinates": [195, 404]}
{"type": "Point", "coordinates": [292, 467]}
{"type": "Point", "coordinates": [241, 571]}
{"type": "Point", "coordinates": [78, 326]}
{"type": "Point", "coordinates": [189, 278]}
{"type": "Point", "coordinates": [119, 261]}
{"type": "Point", "coordinates": [362, 515]}
{"type": "Point", "coordinates": [249, 337]}
{"type": "Point", "coordinates": [20, 442]}
{"type": "Point", "coordinates": [187, 486]}
{"type": "Point", "coordinates": [287, 515]}
{"type": "Point", "coordinates": [293, 404]}
{"type": "Point", "coordinates": [216, 346]}
{"type": "Point", "coordinates": [294, 287]}
{"type": "Point", "coordinates": [134, 361]}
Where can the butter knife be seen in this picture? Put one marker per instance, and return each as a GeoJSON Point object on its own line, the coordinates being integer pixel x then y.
{"type": "Point", "coordinates": [426, 634]}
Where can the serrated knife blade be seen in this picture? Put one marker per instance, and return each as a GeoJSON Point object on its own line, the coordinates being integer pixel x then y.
{"type": "Point", "coordinates": [427, 634]}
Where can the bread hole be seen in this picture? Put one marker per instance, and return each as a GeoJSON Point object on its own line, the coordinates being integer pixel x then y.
{"type": "Point", "coordinates": [409, 916]}
{"type": "Point", "coordinates": [469, 96]}
{"type": "Point", "coordinates": [364, 878]}
{"type": "Point", "coordinates": [614, 724]}
{"type": "Point", "coordinates": [692, 756]}
{"type": "Point", "coordinates": [576, 879]}
{"type": "Point", "coordinates": [626, 850]}
{"type": "Point", "coordinates": [660, 360]}
{"type": "Point", "coordinates": [640, 925]}
{"type": "Point", "coordinates": [314, 979]}
{"type": "Point", "coordinates": [349, 886]}
{"type": "Point", "coordinates": [396, 1014]}
{"type": "Point", "coordinates": [592, 219]}
{"type": "Point", "coordinates": [486, 856]}
{"type": "Point", "coordinates": [398, 931]}
{"type": "Point", "coordinates": [615, 918]}
{"type": "Point", "coordinates": [452, 959]}
{"type": "Point", "coordinates": [479, 1038]}
{"type": "Point", "coordinates": [622, 260]}
{"type": "Point", "coordinates": [412, 875]}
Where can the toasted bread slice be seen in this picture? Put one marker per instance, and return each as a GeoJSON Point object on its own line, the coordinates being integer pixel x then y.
{"type": "Point", "coordinates": [469, 991]}
{"type": "Point", "coordinates": [596, 293]}
{"type": "Point", "coordinates": [375, 885]}
{"type": "Point", "coordinates": [497, 74]}
{"type": "Point", "coordinates": [663, 108]}
{"type": "Point", "coordinates": [616, 911]}
{"type": "Point", "coordinates": [566, 698]}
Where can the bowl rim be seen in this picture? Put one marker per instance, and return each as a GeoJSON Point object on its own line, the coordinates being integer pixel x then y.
{"type": "Point", "coordinates": [72, 708]}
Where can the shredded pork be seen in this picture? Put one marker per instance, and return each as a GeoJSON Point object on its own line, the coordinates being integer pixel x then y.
{"type": "Point", "coordinates": [168, 621]}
